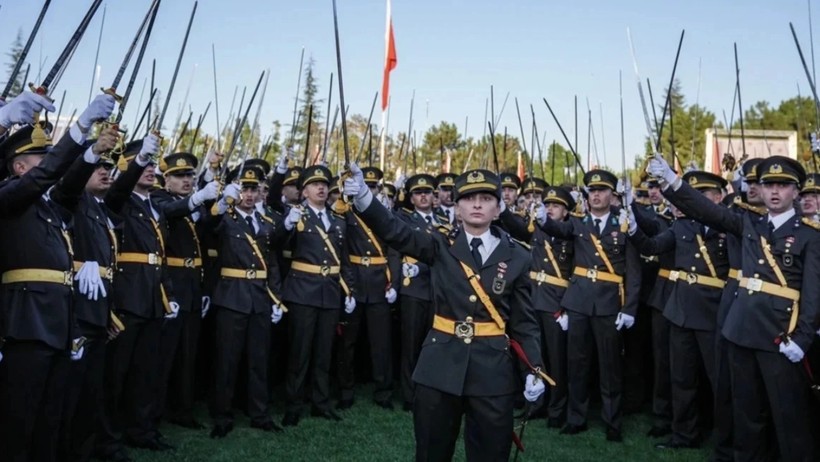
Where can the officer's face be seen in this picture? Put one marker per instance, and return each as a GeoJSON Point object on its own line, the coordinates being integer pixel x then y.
{"type": "Point", "coordinates": [248, 198]}
{"type": "Point", "coordinates": [714, 195]}
{"type": "Point", "coordinates": [181, 184]}
{"type": "Point", "coordinates": [147, 178]}
{"type": "Point", "coordinates": [422, 200]}
{"type": "Point", "coordinates": [600, 199]}
{"type": "Point", "coordinates": [445, 196]}
{"type": "Point", "coordinates": [810, 203]}
{"type": "Point", "coordinates": [779, 197]}
{"type": "Point", "coordinates": [374, 189]}
{"type": "Point", "coordinates": [100, 180]}
{"type": "Point", "coordinates": [263, 193]}
{"type": "Point", "coordinates": [556, 212]}
{"type": "Point", "coordinates": [754, 195]}
{"type": "Point", "coordinates": [655, 196]}
{"type": "Point", "coordinates": [510, 195]}
{"type": "Point", "coordinates": [291, 193]}
{"type": "Point", "coordinates": [478, 210]}
{"type": "Point", "coordinates": [316, 193]}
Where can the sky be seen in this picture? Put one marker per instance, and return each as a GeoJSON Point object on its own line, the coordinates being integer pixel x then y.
{"type": "Point", "coordinates": [449, 52]}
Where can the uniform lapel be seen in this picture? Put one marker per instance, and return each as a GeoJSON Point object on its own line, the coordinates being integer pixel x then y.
{"type": "Point", "coordinates": [461, 250]}
{"type": "Point", "coordinates": [500, 253]}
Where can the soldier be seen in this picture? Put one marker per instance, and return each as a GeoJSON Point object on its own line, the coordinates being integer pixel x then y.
{"type": "Point", "coordinates": [773, 318]}
{"type": "Point", "coordinates": [533, 190]}
{"type": "Point", "coordinates": [36, 321]}
{"type": "Point", "coordinates": [183, 257]}
{"type": "Point", "coordinates": [389, 191]}
{"type": "Point", "coordinates": [143, 299]}
{"type": "Point", "coordinates": [551, 268]}
{"type": "Point", "coordinates": [446, 211]}
{"type": "Point", "coordinates": [245, 300]}
{"type": "Point", "coordinates": [374, 294]}
{"type": "Point", "coordinates": [510, 184]}
{"type": "Point", "coordinates": [416, 294]}
{"type": "Point", "coordinates": [465, 367]}
{"type": "Point", "coordinates": [601, 300]}
{"type": "Point", "coordinates": [810, 197]}
{"type": "Point", "coordinates": [699, 276]}
{"type": "Point", "coordinates": [94, 245]}
{"type": "Point", "coordinates": [320, 278]}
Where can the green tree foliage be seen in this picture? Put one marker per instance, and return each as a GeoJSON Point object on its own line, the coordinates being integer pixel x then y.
{"type": "Point", "coordinates": [14, 55]}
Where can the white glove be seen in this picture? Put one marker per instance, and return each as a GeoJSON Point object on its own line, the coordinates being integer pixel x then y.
{"type": "Point", "coordinates": [209, 192]}
{"type": "Point", "coordinates": [150, 146]}
{"type": "Point", "coordinates": [658, 168]}
{"type": "Point", "coordinates": [77, 348]}
{"type": "Point", "coordinates": [737, 175]}
{"type": "Point", "coordinates": [282, 164]}
{"type": "Point", "coordinates": [563, 321]}
{"type": "Point", "coordinates": [350, 304]}
{"type": "Point", "coordinates": [100, 109]}
{"type": "Point", "coordinates": [21, 109]}
{"type": "Point", "coordinates": [533, 388]}
{"type": "Point", "coordinates": [815, 143]}
{"type": "Point", "coordinates": [628, 197]}
{"type": "Point", "coordinates": [276, 314]}
{"type": "Point", "coordinates": [354, 185]}
{"type": "Point", "coordinates": [206, 305]}
{"type": "Point", "coordinates": [620, 187]}
{"type": "Point", "coordinates": [579, 199]}
{"type": "Point", "coordinates": [174, 310]}
{"type": "Point", "coordinates": [409, 270]}
{"type": "Point", "coordinates": [89, 281]}
{"type": "Point", "coordinates": [294, 215]}
{"type": "Point", "coordinates": [390, 295]}
{"type": "Point", "coordinates": [233, 191]}
{"type": "Point", "coordinates": [792, 351]}
{"type": "Point", "coordinates": [399, 183]}
{"type": "Point", "coordinates": [540, 214]}
{"type": "Point", "coordinates": [623, 217]}
{"type": "Point", "coordinates": [624, 321]}
{"type": "Point", "coordinates": [633, 226]}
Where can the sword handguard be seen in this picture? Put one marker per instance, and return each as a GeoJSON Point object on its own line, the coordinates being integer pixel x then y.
{"type": "Point", "coordinates": [112, 92]}
{"type": "Point", "coordinates": [41, 90]}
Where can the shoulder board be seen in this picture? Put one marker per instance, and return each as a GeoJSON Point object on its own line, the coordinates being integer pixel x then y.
{"type": "Point", "coordinates": [809, 222]}
{"type": "Point", "coordinates": [739, 203]}
{"type": "Point", "coordinates": [339, 208]}
{"type": "Point", "coordinates": [521, 243]}
{"type": "Point", "coordinates": [266, 218]}
{"type": "Point", "coordinates": [578, 214]}
{"type": "Point", "coordinates": [337, 214]}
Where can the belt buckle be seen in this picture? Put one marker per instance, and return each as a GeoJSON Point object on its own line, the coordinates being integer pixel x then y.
{"type": "Point", "coordinates": [754, 285]}
{"type": "Point", "coordinates": [153, 259]}
{"type": "Point", "coordinates": [674, 275]}
{"type": "Point", "coordinates": [465, 330]}
{"type": "Point", "coordinates": [68, 278]}
{"type": "Point", "coordinates": [542, 276]}
{"type": "Point", "coordinates": [188, 262]}
{"type": "Point", "coordinates": [250, 274]}
{"type": "Point", "coordinates": [691, 278]}
{"type": "Point", "coordinates": [592, 273]}
{"type": "Point", "coordinates": [366, 261]}
{"type": "Point", "coordinates": [109, 273]}
{"type": "Point", "coordinates": [324, 270]}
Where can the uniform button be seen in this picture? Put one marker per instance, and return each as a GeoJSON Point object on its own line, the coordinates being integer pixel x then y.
{"type": "Point", "coordinates": [760, 262]}
{"type": "Point", "coordinates": [434, 340]}
{"type": "Point", "coordinates": [473, 298]}
{"type": "Point", "coordinates": [596, 254]}
{"type": "Point", "coordinates": [325, 248]}
{"type": "Point", "coordinates": [693, 269]}
{"type": "Point", "coordinates": [368, 252]}
{"type": "Point", "coordinates": [697, 255]}
{"type": "Point", "coordinates": [789, 310]}
{"type": "Point", "coordinates": [48, 220]}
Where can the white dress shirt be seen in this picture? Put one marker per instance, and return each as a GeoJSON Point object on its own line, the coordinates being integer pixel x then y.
{"type": "Point", "coordinates": [253, 218]}
{"type": "Point", "coordinates": [324, 217]}
{"type": "Point", "coordinates": [151, 204]}
{"type": "Point", "coordinates": [778, 220]}
{"type": "Point", "coordinates": [602, 224]}
{"type": "Point", "coordinates": [488, 244]}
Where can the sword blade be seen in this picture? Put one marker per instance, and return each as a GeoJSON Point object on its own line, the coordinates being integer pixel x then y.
{"type": "Point", "coordinates": [24, 52]}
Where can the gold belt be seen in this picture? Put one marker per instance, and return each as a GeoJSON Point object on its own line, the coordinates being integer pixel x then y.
{"type": "Point", "coordinates": [664, 273]}
{"type": "Point", "coordinates": [595, 275]}
{"type": "Point", "coordinates": [144, 258]}
{"type": "Point", "coordinates": [693, 278]}
{"type": "Point", "coordinates": [467, 329]}
{"type": "Point", "coordinates": [367, 261]}
{"type": "Point", "coordinates": [250, 274]}
{"type": "Point", "coordinates": [541, 276]}
{"type": "Point", "coordinates": [324, 270]}
{"type": "Point", "coordinates": [177, 262]}
{"type": "Point", "coordinates": [757, 285]}
{"type": "Point", "coordinates": [735, 274]}
{"type": "Point", "coordinates": [105, 271]}
{"type": "Point", "coordinates": [65, 278]}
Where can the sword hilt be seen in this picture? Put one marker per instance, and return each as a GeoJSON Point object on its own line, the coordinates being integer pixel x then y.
{"type": "Point", "coordinates": [40, 90]}
{"type": "Point", "coordinates": [112, 92]}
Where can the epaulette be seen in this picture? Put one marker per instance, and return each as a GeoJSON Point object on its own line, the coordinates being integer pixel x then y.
{"type": "Point", "coordinates": [577, 214]}
{"type": "Point", "coordinates": [521, 243]}
{"type": "Point", "coordinates": [337, 214]}
{"type": "Point", "coordinates": [266, 218]}
{"type": "Point", "coordinates": [738, 202]}
{"type": "Point", "coordinates": [809, 222]}
{"type": "Point", "coordinates": [339, 208]}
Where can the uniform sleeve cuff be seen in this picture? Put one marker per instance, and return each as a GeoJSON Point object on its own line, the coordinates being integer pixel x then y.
{"type": "Point", "coordinates": [90, 157]}
{"type": "Point", "coordinates": [363, 202]}
{"type": "Point", "coordinates": [76, 134]}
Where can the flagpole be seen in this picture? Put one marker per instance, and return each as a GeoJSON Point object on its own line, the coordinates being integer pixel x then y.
{"type": "Point", "coordinates": [381, 140]}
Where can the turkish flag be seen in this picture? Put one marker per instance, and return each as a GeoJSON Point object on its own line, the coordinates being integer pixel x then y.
{"type": "Point", "coordinates": [390, 58]}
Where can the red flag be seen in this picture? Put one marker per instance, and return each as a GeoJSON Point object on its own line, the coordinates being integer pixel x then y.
{"type": "Point", "coordinates": [390, 58]}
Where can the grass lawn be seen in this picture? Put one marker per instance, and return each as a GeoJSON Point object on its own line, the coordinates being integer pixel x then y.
{"type": "Point", "coordinates": [369, 433]}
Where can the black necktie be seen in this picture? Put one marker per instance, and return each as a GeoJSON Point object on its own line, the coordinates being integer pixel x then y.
{"type": "Point", "coordinates": [429, 220]}
{"type": "Point", "coordinates": [249, 220]}
{"type": "Point", "coordinates": [147, 203]}
{"type": "Point", "coordinates": [597, 226]}
{"type": "Point", "coordinates": [474, 244]}
{"type": "Point", "coordinates": [321, 216]}
{"type": "Point", "coordinates": [771, 230]}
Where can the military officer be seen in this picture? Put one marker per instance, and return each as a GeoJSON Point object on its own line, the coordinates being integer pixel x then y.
{"type": "Point", "coordinates": [552, 264]}
{"type": "Point", "coordinates": [374, 293]}
{"type": "Point", "coordinates": [319, 283]}
{"type": "Point", "coordinates": [601, 300]}
{"type": "Point", "coordinates": [246, 300]}
{"type": "Point", "coordinates": [774, 316]}
{"type": "Point", "coordinates": [810, 197]}
{"type": "Point", "coordinates": [482, 291]}
{"type": "Point", "coordinates": [699, 277]}
{"type": "Point", "coordinates": [445, 211]}
{"type": "Point", "coordinates": [510, 184]}
{"type": "Point", "coordinates": [36, 321]}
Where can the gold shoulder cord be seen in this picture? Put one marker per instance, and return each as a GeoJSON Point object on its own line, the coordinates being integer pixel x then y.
{"type": "Point", "coordinates": [332, 251]}
{"type": "Point", "coordinates": [258, 255]}
{"type": "Point", "coordinates": [609, 267]}
{"type": "Point", "coordinates": [781, 279]}
{"type": "Point", "coordinates": [376, 244]}
{"type": "Point", "coordinates": [706, 257]}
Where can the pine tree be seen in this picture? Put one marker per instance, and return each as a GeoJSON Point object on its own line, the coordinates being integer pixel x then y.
{"type": "Point", "coordinates": [14, 55]}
